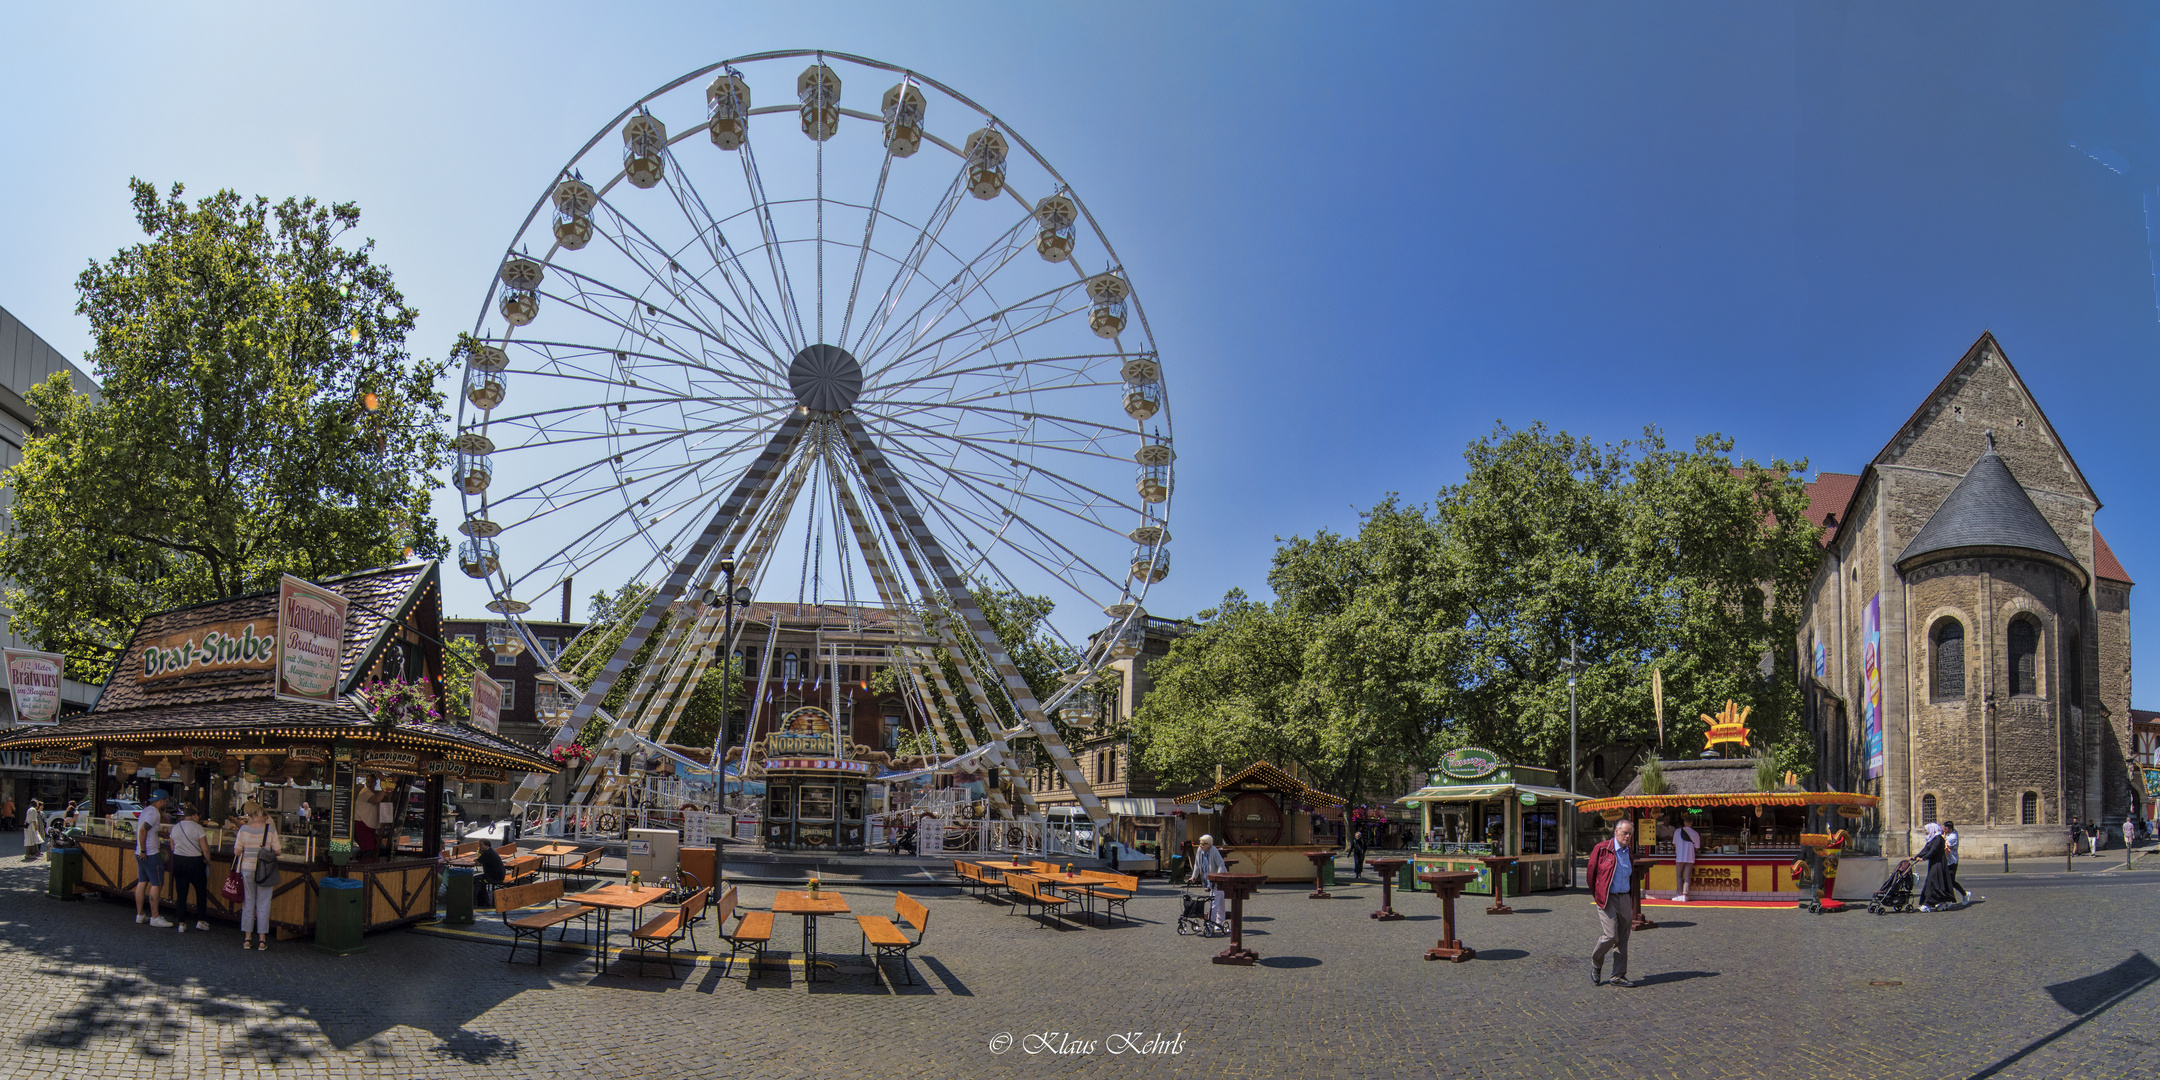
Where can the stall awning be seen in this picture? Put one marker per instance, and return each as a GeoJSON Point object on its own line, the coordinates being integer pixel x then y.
{"type": "Point", "coordinates": [1478, 792]}
{"type": "Point", "coordinates": [1730, 798]}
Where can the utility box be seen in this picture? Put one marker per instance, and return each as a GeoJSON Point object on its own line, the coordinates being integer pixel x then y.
{"type": "Point", "coordinates": [652, 854]}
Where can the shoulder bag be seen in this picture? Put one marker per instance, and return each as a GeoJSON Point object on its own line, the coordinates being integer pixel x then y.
{"type": "Point", "coordinates": [266, 871]}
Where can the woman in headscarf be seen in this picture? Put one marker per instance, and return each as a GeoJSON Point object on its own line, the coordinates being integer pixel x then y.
{"type": "Point", "coordinates": [1935, 892]}
{"type": "Point", "coordinates": [1209, 860]}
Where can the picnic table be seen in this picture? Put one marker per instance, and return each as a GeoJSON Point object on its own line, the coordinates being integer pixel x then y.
{"type": "Point", "coordinates": [1007, 867]}
{"type": "Point", "coordinates": [612, 898]}
{"type": "Point", "coordinates": [826, 902]}
{"type": "Point", "coordinates": [553, 852]}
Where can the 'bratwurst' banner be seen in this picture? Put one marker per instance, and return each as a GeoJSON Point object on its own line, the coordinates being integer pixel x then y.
{"type": "Point", "coordinates": [34, 683]}
{"type": "Point", "coordinates": [310, 642]}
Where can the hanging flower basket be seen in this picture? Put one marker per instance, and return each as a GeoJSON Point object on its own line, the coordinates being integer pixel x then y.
{"type": "Point", "coordinates": [572, 754]}
{"type": "Point", "coordinates": [399, 702]}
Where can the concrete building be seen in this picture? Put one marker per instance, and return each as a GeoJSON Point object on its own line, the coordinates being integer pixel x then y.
{"type": "Point", "coordinates": [25, 361]}
{"type": "Point", "coordinates": [1968, 630]}
{"type": "Point", "coordinates": [1105, 753]}
{"type": "Point", "coordinates": [519, 675]}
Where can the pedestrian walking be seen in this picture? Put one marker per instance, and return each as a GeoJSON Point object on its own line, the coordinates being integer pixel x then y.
{"type": "Point", "coordinates": [1684, 842]}
{"type": "Point", "coordinates": [33, 832]}
{"type": "Point", "coordinates": [2092, 832]}
{"type": "Point", "coordinates": [190, 868]}
{"type": "Point", "coordinates": [150, 861]}
{"type": "Point", "coordinates": [2077, 835]}
{"type": "Point", "coordinates": [1935, 891]}
{"type": "Point", "coordinates": [1209, 860]}
{"type": "Point", "coordinates": [255, 851]}
{"type": "Point", "coordinates": [1612, 876]}
{"type": "Point", "coordinates": [1950, 846]}
{"type": "Point", "coordinates": [7, 812]}
{"type": "Point", "coordinates": [2129, 833]}
{"type": "Point", "coordinates": [1357, 854]}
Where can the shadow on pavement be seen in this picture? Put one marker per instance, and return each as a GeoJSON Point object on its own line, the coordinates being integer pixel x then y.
{"type": "Point", "coordinates": [2087, 998]}
{"type": "Point", "coordinates": [1501, 954]}
{"type": "Point", "coordinates": [1290, 961]}
{"type": "Point", "coordinates": [1675, 976]}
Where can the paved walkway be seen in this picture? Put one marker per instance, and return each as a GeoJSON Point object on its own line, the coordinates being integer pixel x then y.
{"type": "Point", "coordinates": [2048, 979]}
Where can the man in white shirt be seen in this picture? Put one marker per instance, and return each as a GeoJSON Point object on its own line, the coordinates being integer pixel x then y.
{"type": "Point", "coordinates": [150, 861]}
{"type": "Point", "coordinates": [1684, 842]}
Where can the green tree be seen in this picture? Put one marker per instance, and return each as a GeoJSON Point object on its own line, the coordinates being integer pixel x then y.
{"type": "Point", "coordinates": [260, 415]}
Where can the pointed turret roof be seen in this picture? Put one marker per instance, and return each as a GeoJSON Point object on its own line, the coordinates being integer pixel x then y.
{"type": "Point", "coordinates": [1987, 509]}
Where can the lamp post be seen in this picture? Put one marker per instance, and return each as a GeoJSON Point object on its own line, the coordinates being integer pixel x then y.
{"type": "Point", "coordinates": [728, 597]}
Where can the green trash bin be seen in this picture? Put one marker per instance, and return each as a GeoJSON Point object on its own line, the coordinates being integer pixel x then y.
{"type": "Point", "coordinates": [1327, 874]}
{"type": "Point", "coordinates": [458, 896]}
{"type": "Point", "coordinates": [1406, 877]}
{"type": "Point", "coordinates": [338, 918]}
{"type": "Point", "coordinates": [65, 873]}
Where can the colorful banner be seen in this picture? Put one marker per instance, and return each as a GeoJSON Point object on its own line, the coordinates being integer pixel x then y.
{"type": "Point", "coordinates": [310, 641]}
{"type": "Point", "coordinates": [1871, 718]}
{"type": "Point", "coordinates": [34, 683]}
{"type": "Point", "coordinates": [486, 702]}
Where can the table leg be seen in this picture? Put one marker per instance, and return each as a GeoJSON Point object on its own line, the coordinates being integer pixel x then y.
{"type": "Point", "coordinates": [1449, 948]}
{"type": "Point", "coordinates": [1387, 902]}
{"type": "Point", "coordinates": [809, 934]}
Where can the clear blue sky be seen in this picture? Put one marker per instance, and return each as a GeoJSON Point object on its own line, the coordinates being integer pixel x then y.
{"type": "Point", "coordinates": [1363, 233]}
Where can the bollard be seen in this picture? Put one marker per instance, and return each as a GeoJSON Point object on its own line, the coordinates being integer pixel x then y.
{"type": "Point", "coordinates": [2006, 858]}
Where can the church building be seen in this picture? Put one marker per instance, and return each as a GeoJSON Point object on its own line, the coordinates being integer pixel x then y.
{"type": "Point", "coordinates": [1968, 631]}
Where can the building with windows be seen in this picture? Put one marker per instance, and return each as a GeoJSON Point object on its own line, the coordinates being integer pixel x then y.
{"type": "Point", "coordinates": [519, 674]}
{"type": "Point", "coordinates": [1967, 635]}
{"type": "Point", "coordinates": [1105, 752]}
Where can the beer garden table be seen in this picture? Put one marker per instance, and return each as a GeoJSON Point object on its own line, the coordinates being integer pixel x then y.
{"type": "Point", "coordinates": [826, 902]}
{"type": "Point", "coordinates": [1387, 867]}
{"type": "Point", "coordinates": [611, 898]}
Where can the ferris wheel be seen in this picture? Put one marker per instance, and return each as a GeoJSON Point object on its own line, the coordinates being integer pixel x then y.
{"type": "Point", "coordinates": [885, 357]}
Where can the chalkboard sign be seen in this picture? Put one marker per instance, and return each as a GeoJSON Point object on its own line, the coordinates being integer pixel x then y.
{"type": "Point", "coordinates": [341, 792]}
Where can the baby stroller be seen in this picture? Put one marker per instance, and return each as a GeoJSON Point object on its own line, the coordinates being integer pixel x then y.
{"type": "Point", "coordinates": [1896, 894]}
{"type": "Point", "coordinates": [1194, 920]}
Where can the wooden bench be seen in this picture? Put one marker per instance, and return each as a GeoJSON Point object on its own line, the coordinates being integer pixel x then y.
{"type": "Point", "coordinates": [889, 938]}
{"type": "Point", "coordinates": [1029, 891]}
{"type": "Point", "coordinates": [469, 847]}
{"type": "Point", "coordinates": [753, 933]}
{"type": "Point", "coordinates": [965, 871]}
{"type": "Point", "coordinates": [584, 860]}
{"type": "Point", "coordinates": [667, 928]}
{"type": "Point", "coordinates": [1114, 894]}
{"type": "Point", "coordinates": [509, 898]}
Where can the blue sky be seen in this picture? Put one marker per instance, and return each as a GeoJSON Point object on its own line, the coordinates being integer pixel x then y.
{"type": "Point", "coordinates": [1362, 233]}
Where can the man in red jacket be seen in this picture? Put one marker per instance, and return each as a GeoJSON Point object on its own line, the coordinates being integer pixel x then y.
{"type": "Point", "coordinates": [1612, 887]}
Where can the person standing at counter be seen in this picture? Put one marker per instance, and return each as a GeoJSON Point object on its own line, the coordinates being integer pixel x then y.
{"type": "Point", "coordinates": [33, 831]}
{"type": "Point", "coordinates": [1684, 842]}
{"type": "Point", "coordinates": [190, 869]}
{"type": "Point", "coordinates": [255, 852]}
{"type": "Point", "coordinates": [363, 817]}
{"type": "Point", "coordinates": [1612, 874]}
{"type": "Point", "coordinates": [150, 861]}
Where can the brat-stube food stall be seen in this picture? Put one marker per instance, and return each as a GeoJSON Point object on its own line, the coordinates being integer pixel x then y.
{"type": "Point", "coordinates": [310, 700]}
{"type": "Point", "coordinates": [1265, 821]}
{"type": "Point", "coordinates": [1479, 806]}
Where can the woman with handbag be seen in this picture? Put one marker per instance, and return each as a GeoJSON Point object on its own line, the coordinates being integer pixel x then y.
{"type": "Point", "coordinates": [255, 854]}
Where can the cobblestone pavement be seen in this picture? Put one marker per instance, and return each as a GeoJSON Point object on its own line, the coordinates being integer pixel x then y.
{"type": "Point", "coordinates": [2045, 980]}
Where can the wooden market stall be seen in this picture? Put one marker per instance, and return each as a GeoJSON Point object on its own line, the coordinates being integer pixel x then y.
{"type": "Point", "coordinates": [816, 789]}
{"type": "Point", "coordinates": [310, 700]}
{"type": "Point", "coordinates": [1479, 806]}
{"type": "Point", "coordinates": [1750, 838]}
{"type": "Point", "coordinates": [1265, 821]}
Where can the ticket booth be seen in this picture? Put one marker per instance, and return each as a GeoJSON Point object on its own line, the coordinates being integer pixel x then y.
{"type": "Point", "coordinates": [816, 794]}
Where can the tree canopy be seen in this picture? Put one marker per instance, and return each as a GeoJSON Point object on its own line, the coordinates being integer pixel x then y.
{"type": "Point", "coordinates": [259, 415]}
{"type": "Point", "coordinates": [1449, 625]}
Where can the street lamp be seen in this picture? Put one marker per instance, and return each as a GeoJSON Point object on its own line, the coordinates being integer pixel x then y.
{"type": "Point", "coordinates": [729, 597]}
{"type": "Point", "coordinates": [1572, 666]}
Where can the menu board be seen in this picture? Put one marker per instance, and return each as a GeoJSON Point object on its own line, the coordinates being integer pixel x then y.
{"type": "Point", "coordinates": [341, 797]}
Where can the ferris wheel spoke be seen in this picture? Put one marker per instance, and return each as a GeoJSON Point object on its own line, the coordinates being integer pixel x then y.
{"type": "Point", "coordinates": [663, 268]}
{"type": "Point", "coordinates": [862, 256]}
{"type": "Point", "coordinates": [762, 208]}
{"type": "Point", "coordinates": [963, 284]}
{"type": "Point", "coordinates": [599, 292]}
{"type": "Point", "coordinates": [710, 233]}
{"type": "Point", "coordinates": [1089, 450]}
{"type": "Point", "coordinates": [927, 240]}
{"type": "Point", "coordinates": [632, 325]}
{"type": "Point", "coordinates": [985, 325]}
{"type": "Point", "coordinates": [998, 366]}
{"type": "Point", "coordinates": [970, 485]}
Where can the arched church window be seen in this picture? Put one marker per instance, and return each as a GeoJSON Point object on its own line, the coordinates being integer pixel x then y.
{"type": "Point", "coordinates": [2029, 808]}
{"type": "Point", "coordinates": [1927, 808]}
{"type": "Point", "coordinates": [1949, 660]}
{"type": "Point", "coordinates": [788, 667]}
{"type": "Point", "coordinates": [2024, 657]}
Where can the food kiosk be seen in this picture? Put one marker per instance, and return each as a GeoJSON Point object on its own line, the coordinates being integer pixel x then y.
{"type": "Point", "coordinates": [816, 788]}
{"type": "Point", "coordinates": [1263, 819]}
{"type": "Point", "coordinates": [1479, 806]}
{"type": "Point", "coordinates": [309, 700]}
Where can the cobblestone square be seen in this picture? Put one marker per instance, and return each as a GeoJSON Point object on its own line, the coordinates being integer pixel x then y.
{"type": "Point", "coordinates": [2052, 976]}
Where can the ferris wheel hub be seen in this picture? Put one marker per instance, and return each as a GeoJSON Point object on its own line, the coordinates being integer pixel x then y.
{"type": "Point", "coordinates": [825, 378]}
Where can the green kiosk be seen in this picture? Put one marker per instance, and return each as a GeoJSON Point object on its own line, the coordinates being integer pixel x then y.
{"type": "Point", "coordinates": [1478, 809]}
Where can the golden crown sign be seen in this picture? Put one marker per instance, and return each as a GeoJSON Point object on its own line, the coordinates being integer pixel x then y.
{"type": "Point", "coordinates": [1729, 726]}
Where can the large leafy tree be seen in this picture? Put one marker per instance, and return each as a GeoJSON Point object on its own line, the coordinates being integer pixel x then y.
{"type": "Point", "coordinates": [260, 415]}
{"type": "Point", "coordinates": [1449, 626]}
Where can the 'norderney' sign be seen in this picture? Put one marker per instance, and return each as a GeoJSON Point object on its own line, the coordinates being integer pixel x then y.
{"type": "Point", "coordinates": [310, 641]}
